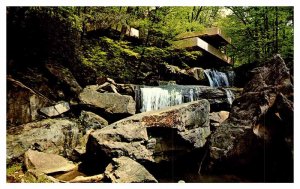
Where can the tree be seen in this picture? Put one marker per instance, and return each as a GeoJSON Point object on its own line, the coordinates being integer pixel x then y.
{"type": "Point", "coordinates": [259, 32]}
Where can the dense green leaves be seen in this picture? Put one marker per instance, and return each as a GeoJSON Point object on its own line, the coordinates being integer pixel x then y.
{"type": "Point", "coordinates": [61, 34]}
{"type": "Point", "coordinates": [259, 32]}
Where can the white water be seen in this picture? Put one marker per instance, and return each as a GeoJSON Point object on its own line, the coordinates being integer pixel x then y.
{"type": "Point", "coordinates": [230, 96]}
{"type": "Point", "coordinates": [216, 78]}
{"type": "Point", "coordinates": [155, 98]}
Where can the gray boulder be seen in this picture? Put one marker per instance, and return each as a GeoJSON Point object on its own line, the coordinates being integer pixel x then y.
{"type": "Point", "coordinates": [141, 136]}
{"type": "Point", "coordinates": [91, 120]}
{"type": "Point", "coordinates": [56, 136]}
{"type": "Point", "coordinates": [126, 170]}
{"type": "Point", "coordinates": [55, 110]}
{"type": "Point", "coordinates": [110, 102]}
{"type": "Point", "coordinates": [123, 140]}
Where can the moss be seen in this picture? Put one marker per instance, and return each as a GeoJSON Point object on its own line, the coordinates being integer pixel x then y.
{"type": "Point", "coordinates": [31, 178]}
{"type": "Point", "coordinates": [12, 169]}
{"type": "Point", "coordinates": [14, 173]}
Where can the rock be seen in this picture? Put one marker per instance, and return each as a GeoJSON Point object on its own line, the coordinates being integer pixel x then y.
{"type": "Point", "coordinates": [256, 129]}
{"type": "Point", "coordinates": [47, 163]}
{"type": "Point", "coordinates": [34, 176]}
{"type": "Point", "coordinates": [55, 110]}
{"type": "Point", "coordinates": [197, 73]}
{"type": "Point", "coordinates": [181, 76]}
{"type": "Point", "coordinates": [56, 136]}
{"type": "Point", "coordinates": [23, 103]}
{"type": "Point", "coordinates": [141, 136]}
{"type": "Point", "coordinates": [88, 179]}
{"type": "Point", "coordinates": [185, 118]}
{"type": "Point", "coordinates": [79, 151]}
{"type": "Point", "coordinates": [122, 140]}
{"type": "Point", "coordinates": [91, 120]}
{"type": "Point", "coordinates": [63, 74]}
{"type": "Point", "coordinates": [126, 170]}
{"type": "Point", "coordinates": [76, 176]}
{"type": "Point", "coordinates": [216, 118]}
{"type": "Point", "coordinates": [126, 89]}
{"type": "Point", "coordinates": [110, 102]}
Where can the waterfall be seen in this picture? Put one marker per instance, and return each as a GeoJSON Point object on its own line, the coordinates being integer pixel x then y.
{"type": "Point", "coordinates": [150, 98]}
{"type": "Point", "coordinates": [230, 96]}
{"type": "Point", "coordinates": [154, 98]}
{"type": "Point", "coordinates": [216, 78]}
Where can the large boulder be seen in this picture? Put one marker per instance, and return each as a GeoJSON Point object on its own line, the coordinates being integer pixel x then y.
{"type": "Point", "coordinates": [126, 170]}
{"type": "Point", "coordinates": [110, 102]}
{"type": "Point", "coordinates": [47, 163]}
{"type": "Point", "coordinates": [257, 136]}
{"type": "Point", "coordinates": [116, 141]}
{"type": "Point", "coordinates": [23, 103]}
{"type": "Point", "coordinates": [56, 136]}
{"type": "Point", "coordinates": [142, 136]}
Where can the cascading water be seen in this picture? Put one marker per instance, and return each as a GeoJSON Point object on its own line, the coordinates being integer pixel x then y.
{"type": "Point", "coordinates": [230, 96]}
{"type": "Point", "coordinates": [216, 78]}
{"type": "Point", "coordinates": [154, 98]}
{"type": "Point", "coordinates": [157, 98]}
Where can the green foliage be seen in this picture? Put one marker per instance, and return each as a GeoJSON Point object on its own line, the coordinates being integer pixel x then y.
{"type": "Point", "coordinates": [61, 34]}
{"type": "Point", "coordinates": [111, 58]}
{"type": "Point", "coordinates": [259, 32]}
{"type": "Point", "coordinates": [12, 169]}
{"type": "Point", "coordinates": [32, 178]}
